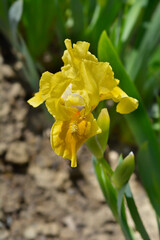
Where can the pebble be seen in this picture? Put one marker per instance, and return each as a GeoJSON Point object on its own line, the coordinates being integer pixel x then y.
{"type": "Point", "coordinates": [4, 234]}
{"type": "Point", "coordinates": [46, 229]}
{"type": "Point", "coordinates": [3, 148]}
{"type": "Point", "coordinates": [17, 153]}
{"type": "Point", "coordinates": [7, 71]}
{"type": "Point", "coordinates": [17, 91]}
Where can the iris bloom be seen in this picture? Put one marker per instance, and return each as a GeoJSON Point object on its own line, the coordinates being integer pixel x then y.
{"type": "Point", "coordinates": [73, 93]}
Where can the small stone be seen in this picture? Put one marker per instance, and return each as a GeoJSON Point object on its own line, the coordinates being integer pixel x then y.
{"type": "Point", "coordinates": [17, 91]}
{"type": "Point", "coordinates": [46, 229]}
{"type": "Point", "coordinates": [67, 234]}
{"type": "Point", "coordinates": [49, 229]}
{"type": "Point", "coordinates": [30, 233]}
{"type": "Point", "coordinates": [70, 223]}
{"type": "Point", "coordinates": [3, 148]}
{"type": "Point", "coordinates": [11, 131]}
{"type": "Point", "coordinates": [19, 114]}
{"type": "Point", "coordinates": [4, 110]}
{"type": "Point", "coordinates": [4, 234]}
{"type": "Point", "coordinates": [18, 66]}
{"type": "Point", "coordinates": [44, 177]}
{"type": "Point", "coordinates": [7, 71]}
{"type": "Point", "coordinates": [17, 153]}
{"type": "Point", "coordinates": [47, 178]}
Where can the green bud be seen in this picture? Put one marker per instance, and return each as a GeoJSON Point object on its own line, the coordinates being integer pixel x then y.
{"type": "Point", "coordinates": [123, 171]}
{"type": "Point", "coordinates": [97, 144]}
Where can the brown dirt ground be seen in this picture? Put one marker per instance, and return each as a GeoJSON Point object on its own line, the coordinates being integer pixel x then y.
{"type": "Point", "coordinates": [42, 198]}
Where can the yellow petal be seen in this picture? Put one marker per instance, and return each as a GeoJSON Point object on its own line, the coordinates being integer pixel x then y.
{"type": "Point", "coordinates": [56, 107]}
{"type": "Point", "coordinates": [69, 71]}
{"type": "Point", "coordinates": [80, 50]}
{"type": "Point", "coordinates": [36, 100]}
{"type": "Point", "coordinates": [52, 87]}
{"type": "Point", "coordinates": [97, 79]}
{"type": "Point", "coordinates": [68, 136]}
{"type": "Point", "coordinates": [88, 82]}
{"type": "Point", "coordinates": [74, 100]}
{"type": "Point", "coordinates": [77, 53]}
{"type": "Point", "coordinates": [68, 44]}
{"type": "Point", "coordinates": [55, 103]}
{"type": "Point", "coordinates": [59, 85]}
{"type": "Point", "coordinates": [46, 84]}
{"type": "Point", "coordinates": [87, 74]}
{"type": "Point", "coordinates": [117, 94]}
{"type": "Point", "coordinates": [127, 105]}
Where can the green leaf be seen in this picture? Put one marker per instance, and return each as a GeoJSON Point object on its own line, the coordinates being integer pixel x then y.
{"type": "Point", "coordinates": [103, 171]}
{"type": "Point", "coordinates": [4, 22]}
{"type": "Point", "coordinates": [132, 18]}
{"type": "Point", "coordinates": [138, 121]}
{"type": "Point", "coordinates": [15, 14]}
{"type": "Point", "coordinates": [78, 17]}
{"type": "Point", "coordinates": [105, 184]}
{"type": "Point", "coordinates": [103, 17]}
{"type": "Point", "coordinates": [134, 213]}
{"type": "Point", "coordinates": [38, 22]}
{"type": "Point", "coordinates": [120, 198]}
{"type": "Point", "coordinates": [149, 175]}
{"type": "Point", "coordinates": [29, 68]}
{"type": "Point", "coordinates": [125, 189]}
{"type": "Point", "coordinates": [149, 42]}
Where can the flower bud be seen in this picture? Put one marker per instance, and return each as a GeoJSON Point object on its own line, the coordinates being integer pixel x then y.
{"type": "Point", "coordinates": [123, 171]}
{"type": "Point", "coordinates": [97, 144]}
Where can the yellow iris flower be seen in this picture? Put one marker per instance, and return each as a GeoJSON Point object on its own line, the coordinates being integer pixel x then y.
{"type": "Point", "coordinates": [71, 95]}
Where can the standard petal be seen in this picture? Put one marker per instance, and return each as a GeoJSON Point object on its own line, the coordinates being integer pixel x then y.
{"type": "Point", "coordinates": [77, 53]}
{"type": "Point", "coordinates": [46, 84]}
{"type": "Point", "coordinates": [88, 82]}
{"type": "Point", "coordinates": [59, 85]}
{"type": "Point", "coordinates": [36, 100]}
{"type": "Point", "coordinates": [97, 79]}
{"type": "Point", "coordinates": [56, 107]}
{"type": "Point", "coordinates": [68, 136]}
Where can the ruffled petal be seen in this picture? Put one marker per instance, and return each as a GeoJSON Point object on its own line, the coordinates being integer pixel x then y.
{"type": "Point", "coordinates": [96, 78]}
{"type": "Point", "coordinates": [102, 77]}
{"type": "Point", "coordinates": [77, 53]}
{"type": "Point", "coordinates": [68, 136]}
